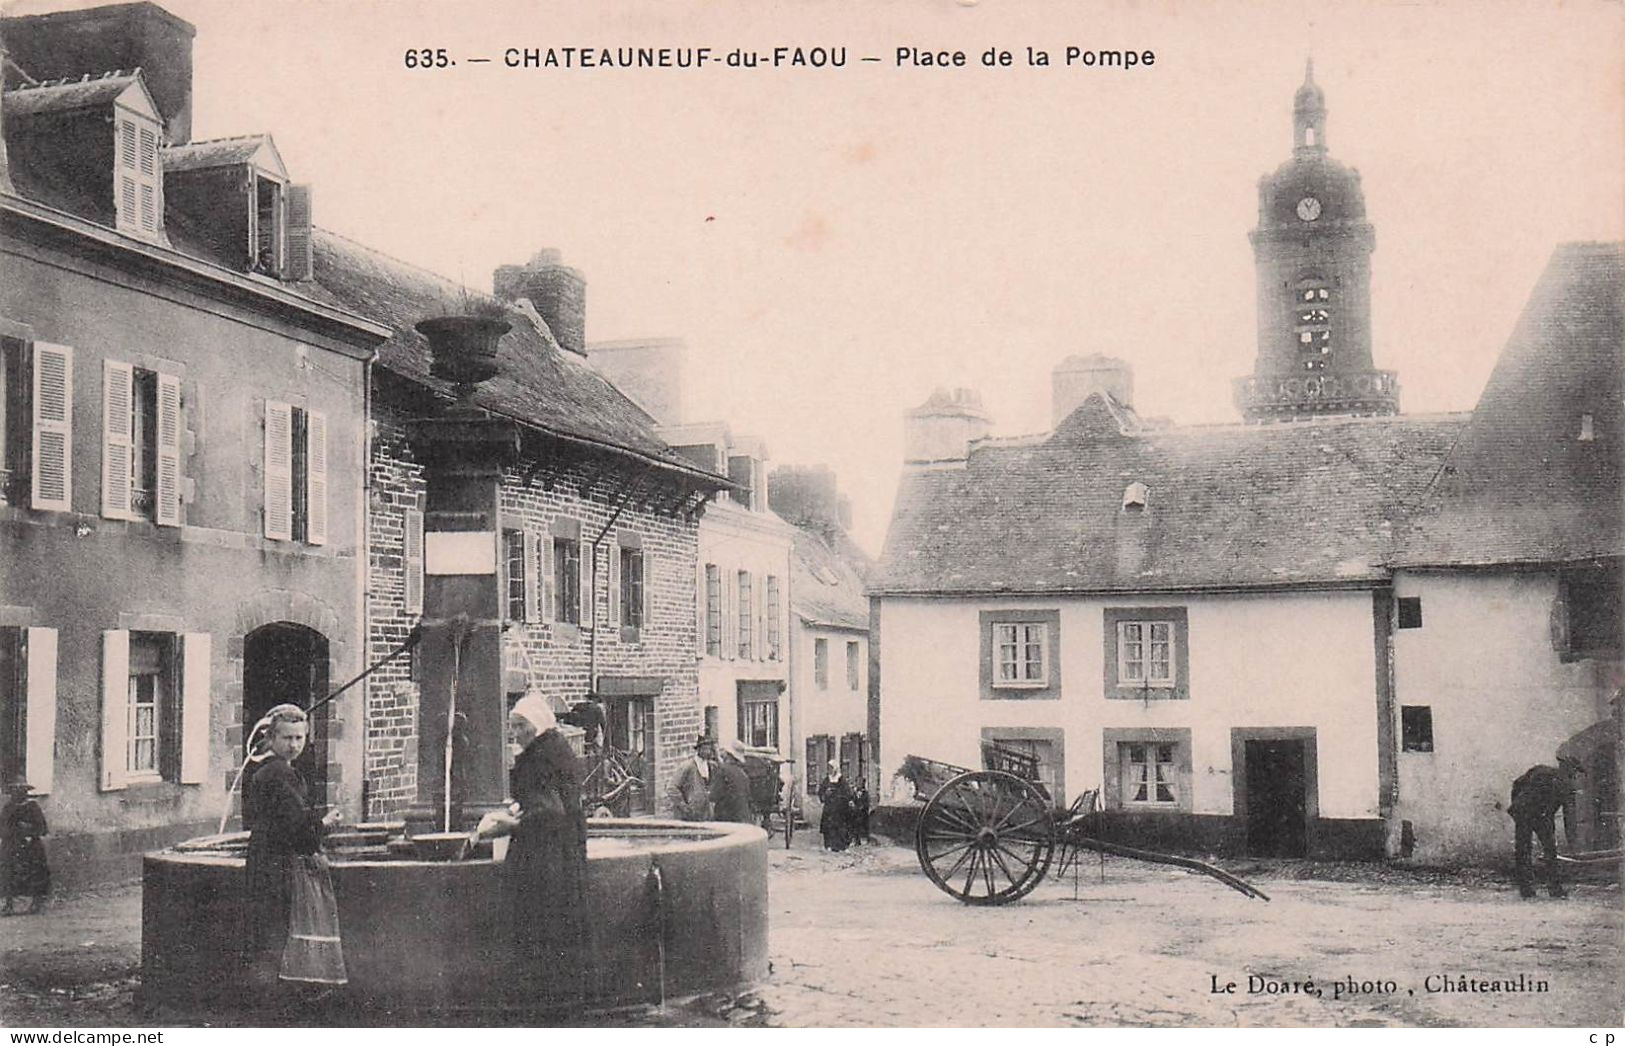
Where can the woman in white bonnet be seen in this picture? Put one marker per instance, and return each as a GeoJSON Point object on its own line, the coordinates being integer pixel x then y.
{"type": "Point", "coordinates": [546, 867]}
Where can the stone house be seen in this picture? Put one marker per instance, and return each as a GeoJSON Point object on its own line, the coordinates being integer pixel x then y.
{"type": "Point", "coordinates": [567, 532]}
{"type": "Point", "coordinates": [177, 405]}
{"type": "Point", "coordinates": [1507, 579]}
{"type": "Point", "coordinates": [1335, 631]}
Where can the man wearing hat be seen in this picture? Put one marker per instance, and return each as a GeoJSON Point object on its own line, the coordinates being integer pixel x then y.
{"type": "Point", "coordinates": [1537, 796]}
{"type": "Point", "coordinates": [690, 791]}
{"type": "Point", "coordinates": [730, 785]}
{"type": "Point", "coordinates": [22, 847]}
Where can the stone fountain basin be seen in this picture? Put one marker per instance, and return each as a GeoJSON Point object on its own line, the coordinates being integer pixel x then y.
{"type": "Point", "coordinates": [432, 935]}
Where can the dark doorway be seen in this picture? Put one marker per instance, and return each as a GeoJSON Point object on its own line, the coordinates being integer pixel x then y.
{"type": "Point", "coordinates": [1277, 798]}
{"type": "Point", "coordinates": [287, 663]}
{"type": "Point", "coordinates": [632, 732]}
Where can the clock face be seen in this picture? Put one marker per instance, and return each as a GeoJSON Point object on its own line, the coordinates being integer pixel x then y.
{"type": "Point", "coordinates": [1309, 208]}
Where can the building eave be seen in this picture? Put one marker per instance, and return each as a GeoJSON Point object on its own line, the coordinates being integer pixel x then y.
{"type": "Point", "coordinates": [357, 335]}
{"type": "Point", "coordinates": [1368, 583]}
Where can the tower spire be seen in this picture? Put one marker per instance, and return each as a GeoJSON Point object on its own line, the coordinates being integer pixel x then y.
{"type": "Point", "coordinates": [1309, 113]}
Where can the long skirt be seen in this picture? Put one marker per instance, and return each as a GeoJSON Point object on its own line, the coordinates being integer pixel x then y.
{"type": "Point", "coordinates": [313, 953]}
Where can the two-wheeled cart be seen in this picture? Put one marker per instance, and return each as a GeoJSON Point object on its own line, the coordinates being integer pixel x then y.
{"type": "Point", "coordinates": [990, 836]}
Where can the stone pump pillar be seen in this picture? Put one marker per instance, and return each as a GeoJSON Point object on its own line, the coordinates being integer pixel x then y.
{"type": "Point", "coordinates": [463, 450]}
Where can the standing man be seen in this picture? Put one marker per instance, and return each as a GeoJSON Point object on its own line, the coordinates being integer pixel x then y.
{"type": "Point", "coordinates": [730, 785]}
{"type": "Point", "coordinates": [690, 791]}
{"type": "Point", "coordinates": [1537, 796]}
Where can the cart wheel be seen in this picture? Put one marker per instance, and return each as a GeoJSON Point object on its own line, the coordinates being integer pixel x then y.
{"type": "Point", "coordinates": [986, 837]}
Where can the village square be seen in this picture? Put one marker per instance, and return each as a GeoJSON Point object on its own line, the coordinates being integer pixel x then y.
{"type": "Point", "coordinates": [379, 649]}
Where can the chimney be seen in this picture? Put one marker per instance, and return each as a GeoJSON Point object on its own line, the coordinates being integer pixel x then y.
{"type": "Point", "coordinates": [98, 40]}
{"type": "Point", "coordinates": [1076, 378]}
{"type": "Point", "coordinates": [804, 496]}
{"type": "Point", "coordinates": [649, 371]}
{"type": "Point", "coordinates": [558, 292]}
{"type": "Point", "coordinates": [942, 428]}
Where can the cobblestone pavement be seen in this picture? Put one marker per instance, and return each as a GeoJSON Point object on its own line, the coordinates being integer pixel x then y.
{"type": "Point", "coordinates": [863, 939]}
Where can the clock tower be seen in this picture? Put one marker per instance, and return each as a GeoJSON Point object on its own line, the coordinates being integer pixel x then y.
{"type": "Point", "coordinates": [1312, 249]}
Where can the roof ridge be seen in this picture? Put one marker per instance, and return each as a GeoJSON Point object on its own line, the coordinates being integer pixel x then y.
{"type": "Point", "coordinates": [83, 78]}
{"type": "Point", "coordinates": [217, 141]}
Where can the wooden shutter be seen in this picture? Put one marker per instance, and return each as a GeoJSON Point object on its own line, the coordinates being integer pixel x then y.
{"type": "Point", "coordinates": [532, 575]}
{"type": "Point", "coordinates": [301, 260]}
{"type": "Point", "coordinates": [195, 734]}
{"type": "Point", "coordinates": [729, 583]}
{"type": "Point", "coordinates": [547, 595]}
{"type": "Point", "coordinates": [278, 470]}
{"type": "Point", "coordinates": [646, 563]}
{"type": "Point", "coordinates": [150, 181]}
{"type": "Point", "coordinates": [701, 597]}
{"type": "Point", "coordinates": [53, 427]}
{"type": "Point", "coordinates": [758, 635]}
{"type": "Point", "coordinates": [168, 512]}
{"type": "Point", "coordinates": [316, 477]}
{"type": "Point", "coordinates": [115, 709]}
{"type": "Point", "coordinates": [615, 585]}
{"type": "Point", "coordinates": [118, 449]}
{"type": "Point", "coordinates": [40, 753]}
{"type": "Point", "coordinates": [412, 559]}
{"type": "Point", "coordinates": [586, 560]}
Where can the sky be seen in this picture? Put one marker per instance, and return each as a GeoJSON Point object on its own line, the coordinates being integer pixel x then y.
{"type": "Point", "coordinates": [834, 243]}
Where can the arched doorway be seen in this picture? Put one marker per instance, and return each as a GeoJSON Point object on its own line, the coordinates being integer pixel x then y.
{"type": "Point", "coordinates": [287, 663]}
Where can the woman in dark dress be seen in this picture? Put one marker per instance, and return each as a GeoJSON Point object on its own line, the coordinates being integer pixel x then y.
{"type": "Point", "coordinates": [22, 848]}
{"type": "Point", "coordinates": [544, 873]}
{"type": "Point", "coordinates": [285, 837]}
{"type": "Point", "coordinates": [836, 823]}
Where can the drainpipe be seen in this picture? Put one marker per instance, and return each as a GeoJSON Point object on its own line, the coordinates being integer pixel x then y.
{"type": "Point", "coordinates": [363, 557]}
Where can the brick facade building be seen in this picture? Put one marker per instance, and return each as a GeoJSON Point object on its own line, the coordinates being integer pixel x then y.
{"type": "Point", "coordinates": [595, 528]}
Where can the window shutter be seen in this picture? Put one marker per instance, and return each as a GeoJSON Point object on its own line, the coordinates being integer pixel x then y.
{"type": "Point", "coordinates": [532, 597]}
{"type": "Point", "coordinates": [150, 181]}
{"type": "Point", "coordinates": [40, 758]}
{"type": "Point", "coordinates": [118, 413]}
{"type": "Point", "coordinates": [730, 615]}
{"type": "Point", "coordinates": [586, 559]}
{"type": "Point", "coordinates": [547, 595]}
{"type": "Point", "coordinates": [758, 635]}
{"type": "Point", "coordinates": [169, 451]}
{"type": "Point", "coordinates": [301, 261]}
{"type": "Point", "coordinates": [53, 427]}
{"type": "Point", "coordinates": [412, 559]}
{"type": "Point", "coordinates": [316, 477]}
{"type": "Point", "coordinates": [278, 470]}
{"type": "Point", "coordinates": [647, 563]}
{"type": "Point", "coordinates": [701, 625]}
{"type": "Point", "coordinates": [615, 585]}
{"type": "Point", "coordinates": [115, 708]}
{"type": "Point", "coordinates": [195, 707]}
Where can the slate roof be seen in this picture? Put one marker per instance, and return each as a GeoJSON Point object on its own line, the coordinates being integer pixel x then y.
{"type": "Point", "coordinates": [539, 385]}
{"type": "Point", "coordinates": [1521, 486]}
{"type": "Point", "coordinates": [826, 585]}
{"type": "Point", "coordinates": [67, 95]}
{"type": "Point", "coordinates": [1230, 506]}
{"type": "Point", "coordinates": [215, 152]}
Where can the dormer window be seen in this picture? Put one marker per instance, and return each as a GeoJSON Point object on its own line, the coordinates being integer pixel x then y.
{"type": "Point", "coordinates": [1134, 496]}
{"type": "Point", "coordinates": [269, 225]}
{"type": "Point", "coordinates": [139, 202]}
{"type": "Point", "coordinates": [1588, 431]}
{"type": "Point", "coordinates": [745, 471]}
{"type": "Point", "coordinates": [236, 196]}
